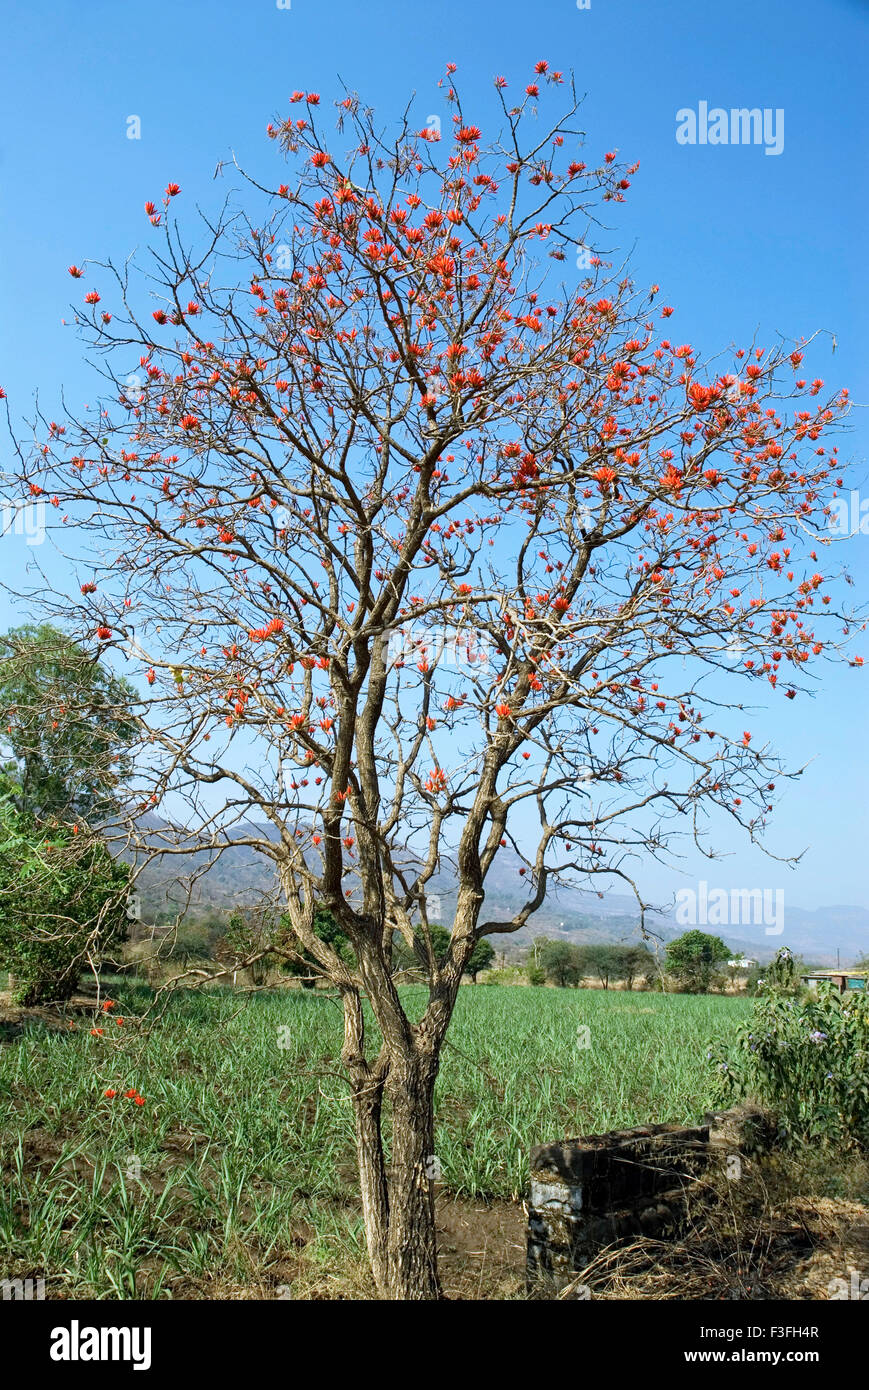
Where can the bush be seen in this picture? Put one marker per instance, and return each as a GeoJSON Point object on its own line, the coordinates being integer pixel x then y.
{"type": "Point", "coordinates": [249, 933]}
{"type": "Point", "coordinates": [509, 975]}
{"type": "Point", "coordinates": [806, 1057]}
{"type": "Point", "coordinates": [63, 903]}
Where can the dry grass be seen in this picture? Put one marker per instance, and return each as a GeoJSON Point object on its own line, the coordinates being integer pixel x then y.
{"type": "Point", "coordinates": [777, 1233]}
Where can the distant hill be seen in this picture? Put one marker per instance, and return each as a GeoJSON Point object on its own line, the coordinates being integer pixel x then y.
{"type": "Point", "coordinates": [240, 875]}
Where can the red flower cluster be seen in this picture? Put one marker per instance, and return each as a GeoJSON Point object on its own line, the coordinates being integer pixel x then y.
{"type": "Point", "coordinates": [132, 1095]}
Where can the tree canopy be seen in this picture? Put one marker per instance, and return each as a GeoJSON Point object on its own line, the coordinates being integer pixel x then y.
{"type": "Point", "coordinates": [694, 959]}
{"type": "Point", "coordinates": [67, 724]}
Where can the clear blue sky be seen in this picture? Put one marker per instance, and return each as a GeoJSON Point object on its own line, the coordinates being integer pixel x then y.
{"type": "Point", "coordinates": [740, 241]}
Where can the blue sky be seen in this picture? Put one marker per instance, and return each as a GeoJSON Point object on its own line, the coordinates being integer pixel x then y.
{"type": "Point", "coordinates": [741, 242]}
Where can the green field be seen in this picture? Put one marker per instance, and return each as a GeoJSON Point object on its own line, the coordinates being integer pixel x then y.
{"type": "Point", "coordinates": [244, 1146]}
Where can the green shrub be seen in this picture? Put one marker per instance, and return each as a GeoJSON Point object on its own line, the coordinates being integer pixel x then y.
{"type": "Point", "coordinates": [63, 902]}
{"type": "Point", "coordinates": [806, 1057]}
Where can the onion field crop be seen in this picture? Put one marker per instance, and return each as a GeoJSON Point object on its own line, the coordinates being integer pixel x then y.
{"type": "Point", "coordinates": [242, 1149]}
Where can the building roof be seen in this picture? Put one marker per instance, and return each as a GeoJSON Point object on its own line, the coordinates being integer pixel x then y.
{"type": "Point", "coordinates": [835, 974]}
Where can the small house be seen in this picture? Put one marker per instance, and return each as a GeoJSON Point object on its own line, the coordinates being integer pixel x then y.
{"type": "Point", "coordinates": [842, 979]}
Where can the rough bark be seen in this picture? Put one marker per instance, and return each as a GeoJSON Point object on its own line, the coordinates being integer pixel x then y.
{"type": "Point", "coordinates": [398, 1199]}
{"type": "Point", "coordinates": [368, 1110]}
{"type": "Point", "coordinates": [412, 1240]}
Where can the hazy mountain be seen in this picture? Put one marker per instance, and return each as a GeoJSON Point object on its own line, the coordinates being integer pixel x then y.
{"type": "Point", "coordinates": [241, 875]}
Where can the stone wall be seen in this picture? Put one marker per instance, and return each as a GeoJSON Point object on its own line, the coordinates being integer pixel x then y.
{"type": "Point", "coordinates": [609, 1188]}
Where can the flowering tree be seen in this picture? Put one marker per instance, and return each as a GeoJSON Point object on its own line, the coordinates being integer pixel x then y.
{"type": "Point", "coordinates": [429, 553]}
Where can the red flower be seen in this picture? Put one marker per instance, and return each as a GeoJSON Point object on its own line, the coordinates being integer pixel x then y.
{"type": "Point", "coordinates": [159, 315]}
{"type": "Point", "coordinates": [75, 272]}
{"type": "Point", "coordinates": [150, 208]}
{"type": "Point", "coordinates": [96, 1032]}
{"type": "Point", "coordinates": [104, 633]}
{"type": "Point", "coordinates": [131, 1094]}
{"type": "Point", "coordinates": [110, 1093]}
{"type": "Point", "coordinates": [138, 1100]}
{"type": "Point", "coordinates": [172, 190]}
{"type": "Point", "coordinates": [108, 1004]}
{"type": "Point", "coordinates": [319, 159]}
{"type": "Point", "coordinates": [91, 297]}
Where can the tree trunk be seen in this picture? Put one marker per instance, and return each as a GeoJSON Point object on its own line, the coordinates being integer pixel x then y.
{"type": "Point", "coordinates": [398, 1209]}
{"type": "Point", "coordinates": [368, 1107]}
{"type": "Point", "coordinates": [412, 1241]}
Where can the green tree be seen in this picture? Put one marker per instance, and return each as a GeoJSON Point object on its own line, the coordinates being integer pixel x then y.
{"type": "Point", "coordinates": [560, 962]}
{"type": "Point", "coordinates": [301, 962]}
{"type": "Point", "coordinates": [693, 959]}
{"type": "Point", "coordinates": [63, 901]}
{"type": "Point", "coordinates": [67, 725]}
{"type": "Point", "coordinates": [480, 958]}
{"type": "Point", "coordinates": [405, 958]}
{"type": "Point", "coordinates": [636, 963]}
{"type": "Point", "coordinates": [603, 960]}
